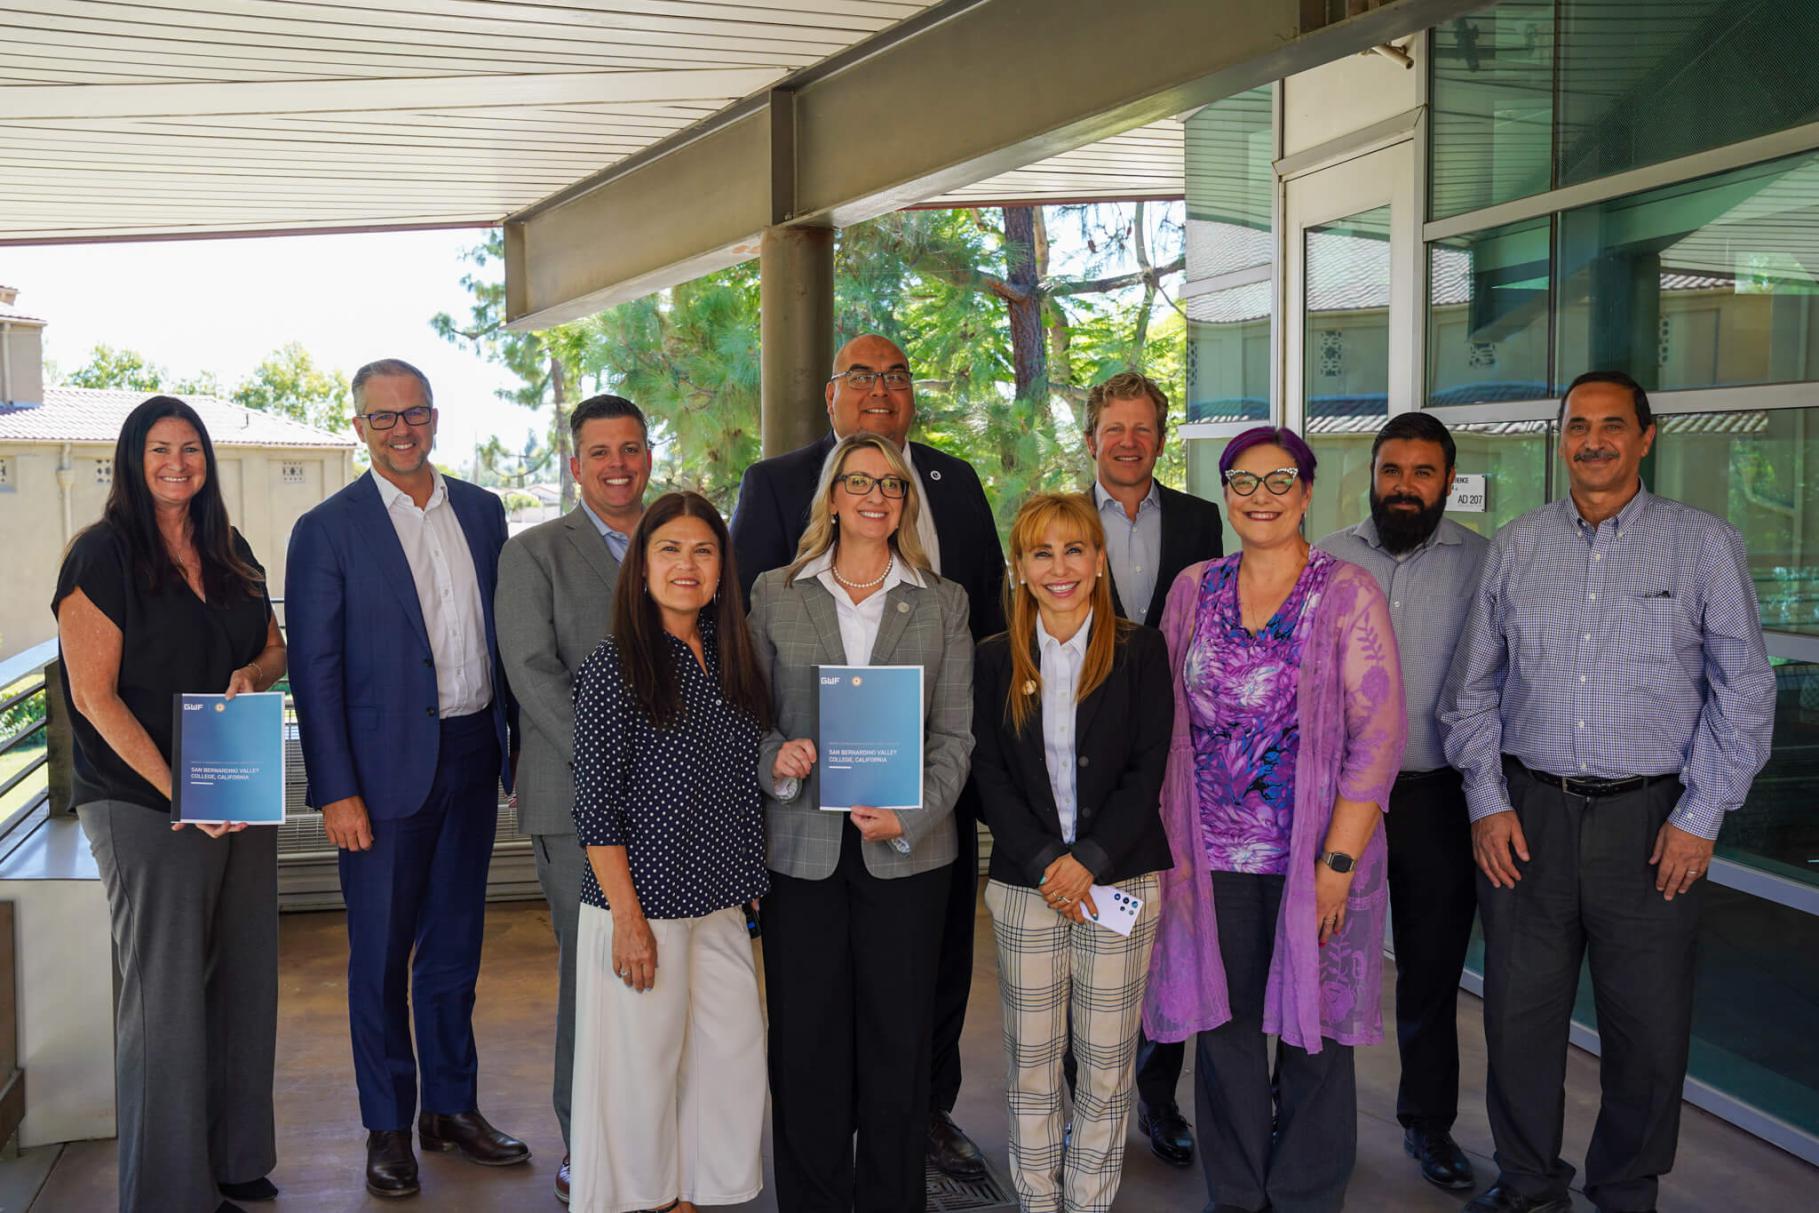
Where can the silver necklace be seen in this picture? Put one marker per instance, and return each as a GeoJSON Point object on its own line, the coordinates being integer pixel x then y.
{"type": "Point", "coordinates": [864, 585]}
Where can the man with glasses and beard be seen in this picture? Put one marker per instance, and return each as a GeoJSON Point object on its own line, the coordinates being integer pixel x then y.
{"type": "Point", "coordinates": [1427, 565]}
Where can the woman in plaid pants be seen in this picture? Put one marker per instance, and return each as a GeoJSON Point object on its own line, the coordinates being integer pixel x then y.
{"type": "Point", "coordinates": [1072, 716]}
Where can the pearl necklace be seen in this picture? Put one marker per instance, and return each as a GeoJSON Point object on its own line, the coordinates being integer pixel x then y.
{"type": "Point", "coordinates": [864, 585]}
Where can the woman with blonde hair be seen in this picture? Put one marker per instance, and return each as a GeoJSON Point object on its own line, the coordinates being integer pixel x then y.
{"type": "Point", "coordinates": [853, 921]}
{"type": "Point", "coordinates": [1071, 720]}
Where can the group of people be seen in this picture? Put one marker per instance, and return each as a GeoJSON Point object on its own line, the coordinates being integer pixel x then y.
{"type": "Point", "coordinates": [1255, 755]}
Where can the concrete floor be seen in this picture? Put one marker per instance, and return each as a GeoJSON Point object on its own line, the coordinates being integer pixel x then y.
{"type": "Point", "coordinates": [320, 1153]}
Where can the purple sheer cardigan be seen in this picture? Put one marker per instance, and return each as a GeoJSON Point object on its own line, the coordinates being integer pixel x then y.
{"type": "Point", "coordinates": [1353, 727]}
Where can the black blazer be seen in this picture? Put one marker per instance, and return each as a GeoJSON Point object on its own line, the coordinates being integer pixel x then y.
{"type": "Point", "coordinates": [776, 493]}
{"type": "Point", "coordinates": [1121, 741]}
{"type": "Point", "coordinates": [1190, 533]}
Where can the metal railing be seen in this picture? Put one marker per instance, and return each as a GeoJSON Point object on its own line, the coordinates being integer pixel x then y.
{"type": "Point", "coordinates": [25, 696]}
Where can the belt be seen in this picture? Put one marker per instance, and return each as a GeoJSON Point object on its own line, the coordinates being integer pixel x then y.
{"type": "Point", "coordinates": [1595, 787]}
{"type": "Point", "coordinates": [1425, 776]}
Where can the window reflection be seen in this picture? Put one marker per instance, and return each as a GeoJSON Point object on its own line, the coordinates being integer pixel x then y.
{"type": "Point", "coordinates": [1487, 318]}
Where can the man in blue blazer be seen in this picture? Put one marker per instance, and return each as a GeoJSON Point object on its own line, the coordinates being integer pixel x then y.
{"type": "Point", "coordinates": [404, 714]}
{"type": "Point", "coordinates": [872, 389]}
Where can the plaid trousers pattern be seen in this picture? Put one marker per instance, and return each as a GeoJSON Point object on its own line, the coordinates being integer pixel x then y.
{"type": "Point", "coordinates": [1047, 968]}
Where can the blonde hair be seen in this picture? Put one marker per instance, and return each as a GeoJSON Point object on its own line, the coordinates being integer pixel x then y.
{"type": "Point", "coordinates": [821, 533]}
{"type": "Point", "coordinates": [1029, 529]}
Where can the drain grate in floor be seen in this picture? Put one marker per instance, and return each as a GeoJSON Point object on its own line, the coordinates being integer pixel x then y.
{"type": "Point", "coordinates": [949, 1195]}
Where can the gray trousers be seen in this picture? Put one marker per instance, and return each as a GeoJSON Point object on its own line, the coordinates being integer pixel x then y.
{"type": "Point", "coordinates": [560, 864]}
{"type": "Point", "coordinates": [195, 926]}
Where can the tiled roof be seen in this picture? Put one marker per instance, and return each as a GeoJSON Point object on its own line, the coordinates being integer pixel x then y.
{"type": "Point", "coordinates": [74, 414]}
{"type": "Point", "coordinates": [10, 311]}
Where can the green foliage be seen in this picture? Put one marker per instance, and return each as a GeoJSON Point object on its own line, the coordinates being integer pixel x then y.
{"type": "Point", "coordinates": [943, 284]}
{"type": "Point", "coordinates": [288, 382]}
{"type": "Point", "coordinates": [518, 500]}
{"type": "Point", "coordinates": [121, 369]}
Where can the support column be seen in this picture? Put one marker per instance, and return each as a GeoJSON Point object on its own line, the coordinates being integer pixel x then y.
{"type": "Point", "coordinates": [796, 299]}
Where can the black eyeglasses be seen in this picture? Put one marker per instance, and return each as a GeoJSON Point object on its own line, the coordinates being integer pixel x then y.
{"type": "Point", "coordinates": [897, 381]}
{"type": "Point", "coordinates": [1277, 482]}
{"type": "Point", "coordinates": [859, 484]}
{"type": "Point", "coordinates": [417, 414]}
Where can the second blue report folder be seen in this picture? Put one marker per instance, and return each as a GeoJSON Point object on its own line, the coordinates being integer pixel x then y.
{"type": "Point", "coordinates": [869, 736]}
{"type": "Point", "coordinates": [227, 759]}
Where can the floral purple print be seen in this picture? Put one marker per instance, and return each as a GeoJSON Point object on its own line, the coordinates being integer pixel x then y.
{"type": "Point", "coordinates": [1351, 725]}
{"type": "Point", "coordinates": [1241, 691]}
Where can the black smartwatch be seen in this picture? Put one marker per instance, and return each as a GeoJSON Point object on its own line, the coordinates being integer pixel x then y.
{"type": "Point", "coordinates": [1338, 861]}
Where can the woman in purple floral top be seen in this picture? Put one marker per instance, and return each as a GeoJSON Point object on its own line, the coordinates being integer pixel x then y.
{"type": "Point", "coordinates": [1289, 727]}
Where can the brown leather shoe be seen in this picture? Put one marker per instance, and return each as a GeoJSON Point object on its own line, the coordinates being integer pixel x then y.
{"type": "Point", "coordinates": [468, 1134]}
{"type": "Point", "coordinates": [562, 1181]}
{"type": "Point", "coordinates": [391, 1168]}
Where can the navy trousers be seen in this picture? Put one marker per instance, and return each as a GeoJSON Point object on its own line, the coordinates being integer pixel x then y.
{"type": "Point", "coordinates": [416, 915]}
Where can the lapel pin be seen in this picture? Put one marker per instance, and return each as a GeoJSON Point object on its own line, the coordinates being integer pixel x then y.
{"type": "Point", "coordinates": [934, 473]}
{"type": "Point", "coordinates": [903, 608]}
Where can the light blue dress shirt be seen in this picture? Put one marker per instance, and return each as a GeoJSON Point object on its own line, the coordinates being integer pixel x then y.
{"type": "Point", "coordinates": [1133, 547]}
{"type": "Point", "coordinates": [617, 542]}
{"type": "Point", "coordinates": [1061, 663]}
{"type": "Point", "coordinates": [1429, 589]}
{"type": "Point", "coordinates": [1628, 648]}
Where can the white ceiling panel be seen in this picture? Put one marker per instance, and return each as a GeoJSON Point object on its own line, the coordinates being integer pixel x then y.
{"type": "Point", "coordinates": [182, 117]}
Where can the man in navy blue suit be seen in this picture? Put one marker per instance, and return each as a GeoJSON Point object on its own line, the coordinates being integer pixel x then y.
{"type": "Point", "coordinates": [404, 714]}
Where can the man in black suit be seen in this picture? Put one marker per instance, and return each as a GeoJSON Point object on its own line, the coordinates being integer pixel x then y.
{"type": "Point", "coordinates": [872, 389]}
{"type": "Point", "coordinates": [1151, 533]}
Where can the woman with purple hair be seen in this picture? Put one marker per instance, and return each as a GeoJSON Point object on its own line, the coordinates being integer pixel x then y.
{"type": "Point", "coordinates": [1289, 727]}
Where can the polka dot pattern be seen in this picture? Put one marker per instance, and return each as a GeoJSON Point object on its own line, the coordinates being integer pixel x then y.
{"type": "Point", "coordinates": [682, 801]}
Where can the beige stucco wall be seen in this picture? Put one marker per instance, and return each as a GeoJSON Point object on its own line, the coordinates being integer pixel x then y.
{"type": "Point", "coordinates": [35, 529]}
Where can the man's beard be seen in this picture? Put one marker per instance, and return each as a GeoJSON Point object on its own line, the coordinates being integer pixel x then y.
{"type": "Point", "coordinates": [1402, 531]}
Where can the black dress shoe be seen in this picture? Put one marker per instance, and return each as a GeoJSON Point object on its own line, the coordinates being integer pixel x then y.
{"type": "Point", "coordinates": [951, 1150]}
{"type": "Point", "coordinates": [1507, 1200]}
{"type": "Point", "coordinates": [391, 1168]}
{"type": "Point", "coordinates": [1169, 1139]}
{"type": "Point", "coordinates": [562, 1178]}
{"type": "Point", "coordinates": [1443, 1163]}
{"type": "Point", "coordinates": [468, 1134]}
{"type": "Point", "coordinates": [253, 1189]}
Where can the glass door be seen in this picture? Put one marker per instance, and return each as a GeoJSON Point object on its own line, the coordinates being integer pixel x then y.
{"type": "Point", "coordinates": [1351, 348]}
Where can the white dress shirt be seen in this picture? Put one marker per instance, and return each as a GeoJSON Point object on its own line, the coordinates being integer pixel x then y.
{"type": "Point", "coordinates": [1061, 663]}
{"type": "Point", "coordinates": [925, 517]}
{"type": "Point", "coordinates": [448, 590]}
{"type": "Point", "coordinates": [859, 620]}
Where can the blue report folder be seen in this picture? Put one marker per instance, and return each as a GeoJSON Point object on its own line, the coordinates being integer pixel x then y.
{"type": "Point", "coordinates": [868, 739]}
{"type": "Point", "coordinates": [227, 759]}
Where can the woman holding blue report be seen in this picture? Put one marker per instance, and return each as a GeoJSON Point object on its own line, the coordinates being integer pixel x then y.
{"type": "Point", "coordinates": [158, 598]}
{"type": "Point", "coordinates": [852, 925]}
{"type": "Point", "coordinates": [1072, 712]}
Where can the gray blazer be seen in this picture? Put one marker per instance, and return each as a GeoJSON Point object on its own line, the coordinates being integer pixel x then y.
{"type": "Point", "coordinates": [795, 628]}
{"type": "Point", "coordinates": [554, 605]}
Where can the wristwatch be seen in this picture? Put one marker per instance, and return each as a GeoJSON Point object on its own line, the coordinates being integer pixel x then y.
{"type": "Point", "coordinates": [1338, 861]}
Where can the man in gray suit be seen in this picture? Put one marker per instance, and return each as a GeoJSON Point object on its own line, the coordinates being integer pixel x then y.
{"type": "Point", "coordinates": [554, 605]}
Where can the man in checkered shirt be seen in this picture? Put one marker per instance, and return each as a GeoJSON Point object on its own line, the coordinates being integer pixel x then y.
{"type": "Point", "coordinates": [1610, 702]}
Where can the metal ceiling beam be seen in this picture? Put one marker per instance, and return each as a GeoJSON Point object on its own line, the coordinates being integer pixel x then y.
{"type": "Point", "coordinates": [971, 89]}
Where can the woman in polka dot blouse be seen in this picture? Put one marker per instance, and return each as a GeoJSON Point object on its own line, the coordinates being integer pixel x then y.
{"type": "Point", "coordinates": [669, 1048]}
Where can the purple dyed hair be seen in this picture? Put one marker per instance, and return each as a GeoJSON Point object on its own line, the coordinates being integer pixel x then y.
{"type": "Point", "coordinates": [1270, 435]}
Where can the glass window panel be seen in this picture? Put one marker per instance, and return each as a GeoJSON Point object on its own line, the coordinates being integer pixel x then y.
{"type": "Point", "coordinates": [1776, 829]}
{"type": "Point", "coordinates": [1512, 456]}
{"type": "Point", "coordinates": [1708, 283]}
{"type": "Point", "coordinates": [1492, 109]}
{"type": "Point", "coordinates": [1754, 1002]}
{"type": "Point", "coordinates": [1642, 83]}
{"type": "Point", "coordinates": [1229, 147]}
{"type": "Point", "coordinates": [1346, 348]}
{"type": "Point", "coordinates": [1228, 354]}
{"type": "Point", "coordinates": [1760, 471]}
{"type": "Point", "coordinates": [1487, 315]}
